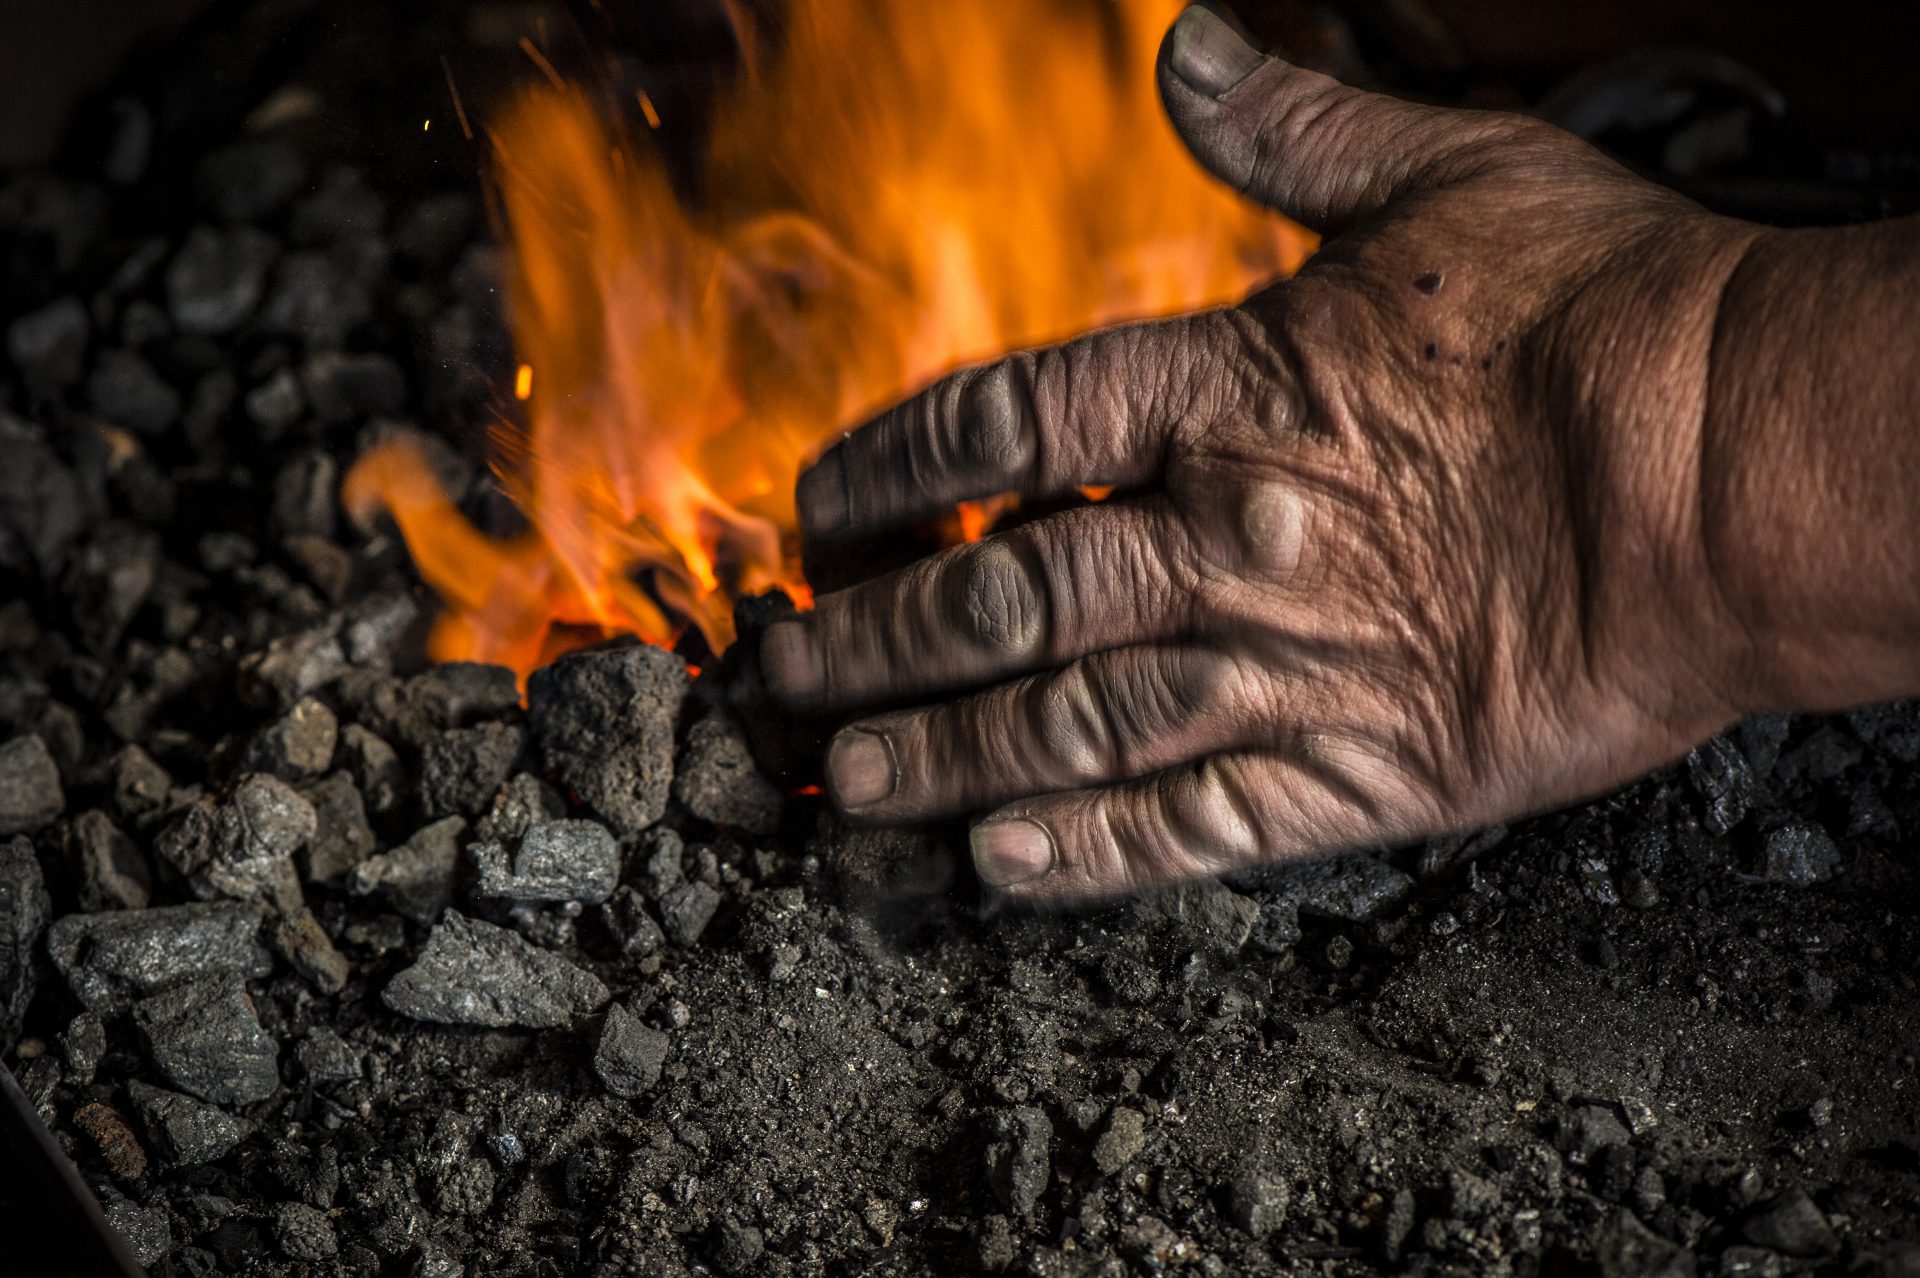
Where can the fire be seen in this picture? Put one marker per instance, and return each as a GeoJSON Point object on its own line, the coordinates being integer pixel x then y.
{"type": "Point", "coordinates": [899, 189]}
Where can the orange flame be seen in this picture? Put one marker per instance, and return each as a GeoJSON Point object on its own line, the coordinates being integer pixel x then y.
{"type": "Point", "coordinates": [904, 188]}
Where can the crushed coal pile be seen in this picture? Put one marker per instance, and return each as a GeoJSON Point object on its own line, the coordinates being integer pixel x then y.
{"type": "Point", "coordinates": [320, 959]}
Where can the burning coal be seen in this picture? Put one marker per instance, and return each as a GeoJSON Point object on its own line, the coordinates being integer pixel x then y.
{"type": "Point", "coordinates": [898, 189]}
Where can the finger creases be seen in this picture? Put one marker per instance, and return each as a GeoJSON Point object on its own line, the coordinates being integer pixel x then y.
{"type": "Point", "coordinates": [1047, 592]}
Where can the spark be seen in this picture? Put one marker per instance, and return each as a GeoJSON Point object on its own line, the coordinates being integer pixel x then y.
{"type": "Point", "coordinates": [523, 382]}
{"type": "Point", "coordinates": [647, 109]}
{"type": "Point", "coordinates": [459, 110]}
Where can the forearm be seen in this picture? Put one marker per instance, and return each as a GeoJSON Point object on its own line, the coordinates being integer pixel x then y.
{"type": "Point", "coordinates": [1810, 467]}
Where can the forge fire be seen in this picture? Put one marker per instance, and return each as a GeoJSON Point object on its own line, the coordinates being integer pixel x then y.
{"type": "Point", "coordinates": [999, 636]}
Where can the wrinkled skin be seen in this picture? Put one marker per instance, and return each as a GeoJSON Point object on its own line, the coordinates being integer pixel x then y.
{"type": "Point", "coordinates": [1407, 543]}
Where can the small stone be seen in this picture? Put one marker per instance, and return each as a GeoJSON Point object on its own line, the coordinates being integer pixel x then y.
{"type": "Point", "coordinates": [304, 496]}
{"type": "Point", "coordinates": [111, 959]}
{"type": "Point", "coordinates": [1352, 887]}
{"type": "Point", "coordinates": [1338, 954]}
{"type": "Point", "coordinates": [686, 911]}
{"type": "Point", "coordinates": [632, 927]}
{"type": "Point", "coordinates": [1125, 1137]}
{"type": "Point", "coordinates": [1625, 1248]}
{"type": "Point", "coordinates": [243, 848]}
{"type": "Point", "coordinates": [1470, 1197]}
{"type": "Point", "coordinates": [113, 874]}
{"type": "Point", "coordinates": [995, 1245]}
{"type": "Point", "coordinates": [1589, 1130]}
{"type": "Point", "coordinates": [717, 781]}
{"type": "Point", "coordinates": [30, 794]}
{"type": "Point", "coordinates": [298, 938]}
{"type": "Point", "coordinates": [603, 722]}
{"type": "Point", "coordinates": [82, 1044]}
{"type": "Point", "coordinates": [473, 973]}
{"type": "Point", "coordinates": [374, 765]}
{"type": "Point", "coordinates": [1799, 854]}
{"type": "Point", "coordinates": [1790, 1223]}
{"type": "Point", "coordinates": [304, 1233]}
{"type": "Point", "coordinates": [664, 851]}
{"type": "Point", "coordinates": [183, 1130]}
{"type": "Point", "coordinates": [1256, 1202]}
{"type": "Point", "coordinates": [462, 768]}
{"type": "Point", "coordinates": [738, 1248]}
{"type": "Point", "coordinates": [342, 838]}
{"type": "Point", "coordinates": [275, 404]}
{"type": "Point", "coordinates": [299, 744]}
{"type": "Point", "coordinates": [326, 1058]}
{"type": "Point", "coordinates": [523, 802]}
{"type": "Point", "coordinates": [554, 861]}
{"type": "Point", "coordinates": [49, 346]}
{"type": "Point", "coordinates": [218, 278]}
{"type": "Point", "coordinates": [292, 666]}
{"type": "Point", "coordinates": [1219, 917]}
{"type": "Point", "coordinates": [204, 1038]}
{"type": "Point", "coordinates": [459, 694]}
{"type": "Point", "coordinates": [1724, 779]}
{"type": "Point", "coordinates": [1019, 1158]}
{"type": "Point", "coordinates": [1639, 1115]}
{"type": "Point", "coordinates": [416, 878]}
{"type": "Point", "coordinates": [119, 1147]}
{"type": "Point", "coordinates": [124, 389]}
{"type": "Point", "coordinates": [631, 1054]}
{"type": "Point", "coordinates": [140, 785]}
{"type": "Point", "coordinates": [146, 1230]}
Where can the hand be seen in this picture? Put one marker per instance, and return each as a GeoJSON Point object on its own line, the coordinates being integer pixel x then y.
{"type": "Point", "coordinates": [1405, 544]}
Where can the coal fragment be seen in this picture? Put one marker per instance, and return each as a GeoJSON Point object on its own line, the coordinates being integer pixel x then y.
{"type": "Point", "coordinates": [717, 781]}
{"type": "Point", "coordinates": [297, 745]}
{"type": "Point", "coordinates": [416, 878]}
{"type": "Point", "coordinates": [603, 721]}
{"type": "Point", "coordinates": [114, 874]}
{"type": "Point", "coordinates": [82, 1043]}
{"type": "Point", "coordinates": [1790, 1223]}
{"type": "Point", "coordinates": [473, 973]}
{"type": "Point", "coordinates": [292, 666]}
{"type": "Point", "coordinates": [302, 1232]}
{"type": "Point", "coordinates": [140, 785]}
{"type": "Point", "coordinates": [342, 838]}
{"type": "Point", "coordinates": [1125, 1137]}
{"type": "Point", "coordinates": [326, 1057]}
{"type": "Point", "coordinates": [124, 389]}
{"type": "Point", "coordinates": [632, 927]}
{"type": "Point", "coordinates": [147, 1231]}
{"type": "Point", "coordinates": [1213, 913]}
{"type": "Point", "coordinates": [24, 909]}
{"type": "Point", "coordinates": [1724, 779]}
{"type": "Point", "coordinates": [304, 493]}
{"type": "Point", "coordinates": [374, 765]}
{"type": "Point", "coordinates": [552, 861]}
{"type": "Point", "coordinates": [1352, 887]}
{"type": "Point", "coordinates": [275, 404]}
{"type": "Point", "coordinates": [1625, 1248]}
{"type": "Point", "coordinates": [298, 938]}
{"type": "Point", "coordinates": [462, 768]}
{"type": "Point", "coordinates": [1256, 1202]}
{"type": "Point", "coordinates": [243, 847]}
{"type": "Point", "coordinates": [1799, 854]}
{"type": "Point", "coordinates": [522, 803]}
{"type": "Point", "coordinates": [30, 794]}
{"type": "Point", "coordinates": [686, 911]}
{"type": "Point", "coordinates": [204, 1038]}
{"type": "Point", "coordinates": [738, 1247]}
{"type": "Point", "coordinates": [108, 580]}
{"type": "Point", "coordinates": [1589, 1130]}
{"type": "Point", "coordinates": [108, 960]}
{"type": "Point", "coordinates": [42, 509]}
{"type": "Point", "coordinates": [217, 278]}
{"type": "Point", "coordinates": [118, 1146]}
{"type": "Point", "coordinates": [342, 386]}
{"type": "Point", "coordinates": [183, 1130]}
{"type": "Point", "coordinates": [1019, 1159]}
{"type": "Point", "coordinates": [630, 1055]}
{"type": "Point", "coordinates": [248, 179]}
{"type": "Point", "coordinates": [49, 345]}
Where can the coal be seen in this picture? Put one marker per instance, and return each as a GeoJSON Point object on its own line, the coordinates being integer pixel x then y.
{"type": "Point", "coordinates": [342, 838]}
{"type": "Point", "coordinates": [1790, 1223]}
{"type": "Point", "coordinates": [522, 803]}
{"type": "Point", "coordinates": [124, 389]}
{"type": "Point", "coordinates": [1799, 854]}
{"type": "Point", "coordinates": [1019, 1158]}
{"type": "Point", "coordinates": [275, 404]}
{"type": "Point", "coordinates": [1723, 777]}
{"type": "Point", "coordinates": [630, 1054]}
{"type": "Point", "coordinates": [82, 1044]}
{"type": "Point", "coordinates": [108, 580]}
{"type": "Point", "coordinates": [30, 794]}
{"type": "Point", "coordinates": [299, 744]}
{"type": "Point", "coordinates": [218, 278]}
{"type": "Point", "coordinates": [298, 938]}
{"type": "Point", "coordinates": [462, 768]}
{"type": "Point", "coordinates": [42, 509]}
{"type": "Point", "coordinates": [551, 861]}
{"type": "Point", "coordinates": [686, 911]}
{"type": "Point", "coordinates": [374, 765]}
{"type": "Point", "coordinates": [603, 722]}
{"type": "Point", "coordinates": [140, 785]}
{"type": "Point", "coordinates": [416, 878]}
{"type": "Point", "coordinates": [246, 180]}
{"type": "Point", "coordinates": [1122, 1141]}
{"type": "Point", "coordinates": [113, 872]}
{"type": "Point", "coordinates": [243, 846]}
{"type": "Point", "coordinates": [292, 666]}
{"type": "Point", "coordinates": [303, 1232]}
{"type": "Point", "coordinates": [717, 781]}
{"type": "Point", "coordinates": [147, 1230]}
{"type": "Point", "coordinates": [628, 922]}
{"type": "Point", "coordinates": [344, 386]}
{"type": "Point", "coordinates": [304, 496]}
{"type": "Point", "coordinates": [319, 297]}
{"type": "Point", "coordinates": [473, 973]}
{"type": "Point", "coordinates": [205, 1038]}
{"type": "Point", "coordinates": [1352, 887]}
{"type": "Point", "coordinates": [326, 1058]}
{"type": "Point", "coordinates": [108, 960]}
{"type": "Point", "coordinates": [1256, 1202]}
{"type": "Point", "coordinates": [49, 345]}
{"type": "Point", "coordinates": [24, 910]}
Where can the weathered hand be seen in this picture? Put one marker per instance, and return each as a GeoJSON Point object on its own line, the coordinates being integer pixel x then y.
{"type": "Point", "coordinates": [1409, 542]}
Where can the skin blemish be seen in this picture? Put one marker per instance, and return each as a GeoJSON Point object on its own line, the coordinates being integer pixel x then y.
{"type": "Point", "coordinates": [1486, 362]}
{"type": "Point", "coordinates": [1433, 350]}
{"type": "Point", "coordinates": [1428, 283]}
{"type": "Point", "coordinates": [1457, 360]}
{"type": "Point", "coordinates": [1500, 345]}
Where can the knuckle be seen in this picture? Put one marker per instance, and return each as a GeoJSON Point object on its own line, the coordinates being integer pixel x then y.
{"type": "Point", "coordinates": [1071, 726]}
{"type": "Point", "coordinates": [991, 422]}
{"type": "Point", "coordinates": [996, 600]}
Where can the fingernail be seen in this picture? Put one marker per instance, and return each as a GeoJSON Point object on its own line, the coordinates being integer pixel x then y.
{"type": "Point", "coordinates": [822, 495]}
{"type": "Point", "coordinates": [790, 659]}
{"type": "Point", "coordinates": [861, 768]}
{"type": "Point", "coordinates": [1012, 851]}
{"type": "Point", "coordinates": [1208, 54]}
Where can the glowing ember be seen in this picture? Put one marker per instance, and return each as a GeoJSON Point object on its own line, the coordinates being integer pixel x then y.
{"type": "Point", "coordinates": [904, 188]}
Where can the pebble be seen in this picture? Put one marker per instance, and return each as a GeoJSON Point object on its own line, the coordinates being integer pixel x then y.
{"type": "Point", "coordinates": [343, 386]}
{"type": "Point", "coordinates": [1587, 1131]}
{"type": "Point", "coordinates": [292, 666]}
{"type": "Point", "coordinates": [1256, 1202]}
{"type": "Point", "coordinates": [243, 847]}
{"type": "Point", "coordinates": [374, 766]}
{"type": "Point", "coordinates": [1125, 1137]}
{"type": "Point", "coordinates": [1723, 778]}
{"type": "Point", "coordinates": [326, 1058]}
{"type": "Point", "coordinates": [1790, 1223]}
{"type": "Point", "coordinates": [140, 785]}
{"type": "Point", "coordinates": [204, 1038]}
{"type": "Point", "coordinates": [554, 861]}
{"type": "Point", "coordinates": [716, 778]}
{"type": "Point", "coordinates": [342, 839]}
{"type": "Point", "coordinates": [147, 1231]}
{"type": "Point", "coordinates": [246, 180]}
{"type": "Point", "coordinates": [1799, 854]}
{"type": "Point", "coordinates": [30, 794]}
{"type": "Point", "coordinates": [1625, 1248]}
{"type": "Point", "coordinates": [416, 878]}
{"type": "Point", "coordinates": [461, 768]}
{"type": "Point", "coordinates": [299, 744]}
{"type": "Point", "coordinates": [183, 1130]}
{"type": "Point", "coordinates": [298, 938]}
{"type": "Point", "coordinates": [523, 802]}
{"type": "Point", "coordinates": [630, 1055]}
{"type": "Point", "coordinates": [303, 1232]}
{"type": "Point", "coordinates": [1019, 1158]}
{"type": "Point", "coordinates": [473, 973]}
{"type": "Point", "coordinates": [82, 1044]}
{"type": "Point", "coordinates": [686, 911]}
{"type": "Point", "coordinates": [113, 873]}
{"type": "Point", "coordinates": [110, 959]}
{"type": "Point", "coordinates": [603, 722]}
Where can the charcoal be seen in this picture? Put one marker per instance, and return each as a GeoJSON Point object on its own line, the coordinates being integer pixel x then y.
{"type": "Point", "coordinates": [49, 345]}
{"type": "Point", "coordinates": [1019, 1158]}
{"type": "Point", "coordinates": [603, 721]}
{"type": "Point", "coordinates": [342, 838]}
{"type": "Point", "coordinates": [119, 1147]}
{"type": "Point", "coordinates": [242, 847]}
{"type": "Point", "coordinates": [326, 1058]}
{"type": "Point", "coordinates": [1352, 887]}
{"type": "Point", "coordinates": [24, 910]}
{"type": "Point", "coordinates": [1799, 854]}
{"type": "Point", "coordinates": [523, 802]}
{"type": "Point", "coordinates": [374, 766]}
{"type": "Point", "coordinates": [124, 389]}
{"type": "Point", "coordinates": [82, 1043]}
{"type": "Point", "coordinates": [247, 180]}
{"type": "Point", "coordinates": [298, 938]}
{"type": "Point", "coordinates": [374, 625]}
{"type": "Point", "coordinates": [108, 580]}
{"type": "Point", "coordinates": [552, 861]}
{"type": "Point", "coordinates": [342, 387]}
{"type": "Point", "coordinates": [630, 1054]}
{"type": "Point", "coordinates": [1723, 778]}
{"type": "Point", "coordinates": [30, 794]}
{"type": "Point", "coordinates": [473, 973]}
{"type": "Point", "coordinates": [147, 1231]}
{"type": "Point", "coordinates": [298, 745]}
{"type": "Point", "coordinates": [110, 959]}
{"type": "Point", "coordinates": [292, 666]}
{"type": "Point", "coordinates": [1790, 1223]}
{"type": "Point", "coordinates": [302, 1232]}
{"type": "Point", "coordinates": [416, 878]}
{"type": "Point", "coordinates": [686, 911]}
{"type": "Point", "coordinates": [626, 918]}
{"type": "Point", "coordinates": [275, 404]}
{"type": "Point", "coordinates": [461, 768]}
{"type": "Point", "coordinates": [204, 1038]}
{"type": "Point", "coordinates": [217, 278]}
{"type": "Point", "coordinates": [114, 874]}
{"type": "Point", "coordinates": [717, 781]}
{"type": "Point", "coordinates": [317, 297]}
{"type": "Point", "coordinates": [304, 495]}
{"type": "Point", "coordinates": [140, 785]}
{"type": "Point", "coordinates": [182, 1130]}
{"type": "Point", "coordinates": [42, 511]}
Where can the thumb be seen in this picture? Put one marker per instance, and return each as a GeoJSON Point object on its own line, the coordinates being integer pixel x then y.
{"type": "Point", "coordinates": [1318, 151]}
